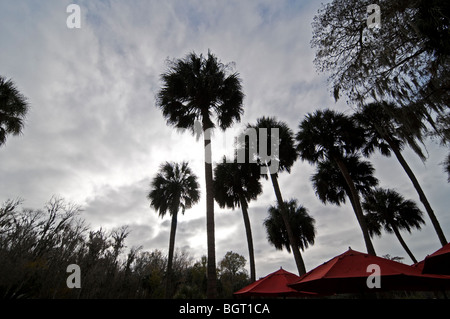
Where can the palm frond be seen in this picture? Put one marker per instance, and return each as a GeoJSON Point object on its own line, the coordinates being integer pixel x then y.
{"type": "Point", "coordinates": [198, 88]}
{"type": "Point", "coordinates": [301, 222]}
{"type": "Point", "coordinates": [13, 109]}
{"type": "Point", "coordinates": [390, 209]}
{"type": "Point", "coordinates": [174, 187]}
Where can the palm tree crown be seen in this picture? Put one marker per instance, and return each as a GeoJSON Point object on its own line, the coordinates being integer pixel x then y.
{"type": "Point", "coordinates": [13, 108]}
{"type": "Point", "coordinates": [302, 225]}
{"type": "Point", "coordinates": [235, 182]}
{"type": "Point", "coordinates": [174, 187]}
{"type": "Point", "coordinates": [328, 134]}
{"type": "Point", "coordinates": [197, 88]}
{"type": "Point", "coordinates": [391, 209]}
{"type": "Point", "coordinates": [388, 209]}
{"type": "Point", "coordinates": [386, 127]}
{"type": "Point", "coordinates": [331, 187]}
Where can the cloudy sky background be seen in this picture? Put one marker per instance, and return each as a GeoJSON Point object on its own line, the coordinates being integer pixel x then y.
{"type": "Point", "coordinates": [94, 136]}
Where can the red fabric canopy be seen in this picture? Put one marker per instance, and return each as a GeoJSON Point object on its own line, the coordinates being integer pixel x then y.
{"type": "Point", "coordinates": [273, 285]}
{"type": "Point", "coordinates": [438, 262]}
{"type": "Point", "coordinates": [349, 272]}
{"type": "Point", "coordinates": [444, 250]}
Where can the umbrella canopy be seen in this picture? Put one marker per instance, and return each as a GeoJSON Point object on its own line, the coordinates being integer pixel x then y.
{"type": "Point", "coordinates": [350, 272]}
{"type": "Point", "coordinates": [273, 285]}
{"type": "Point", "coordinates": [438, 262]}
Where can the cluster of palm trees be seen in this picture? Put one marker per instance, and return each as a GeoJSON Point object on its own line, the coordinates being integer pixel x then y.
{"type": "Point", "coordinates": [335, 143]}
{"type": "Point", "coordinates": [201, 89]}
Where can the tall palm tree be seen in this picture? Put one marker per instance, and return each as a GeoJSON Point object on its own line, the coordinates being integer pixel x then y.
{"type": "Point", "coordinates": [174, 187]}
{"type": "Point", "coordinates": [389, 134]}
{"type": "Point", "coordinates": [13, 108]}
{"type": "Point", "coordinates": [236, 184]}
{"type": "Point", "coordinates": [286, 157]}
{"type": "Point", "coordinates": [331, 187]}
{"type": "Point", "coordinates": [330, 135]}
{"type": "Point", "coordinates": [302, 225]}
{"type": "Point", "coordinates": [200, 89]}
{"type": "Point", "coordinates": [388, 209]}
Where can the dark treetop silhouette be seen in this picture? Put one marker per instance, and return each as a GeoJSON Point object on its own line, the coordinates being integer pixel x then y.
{"type": "Point", "coordinates": [13, 108]}
{"type": "Point", "coordinates": [388, 209]}
{"type": "Point", "coordinates": [301, 223]}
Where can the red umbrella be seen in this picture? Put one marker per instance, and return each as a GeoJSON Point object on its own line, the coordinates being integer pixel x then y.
{"type": "Point", "coordinates": [438, 262]}
{"type": "Point", "coordinates": [273, 285]}
{"type": "Point", "coordinates": [418, 266]}
{"type": "Point", "coordinates": [351, 271]}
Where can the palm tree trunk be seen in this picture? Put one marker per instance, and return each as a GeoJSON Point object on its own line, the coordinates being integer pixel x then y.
{"type": "Point", "coordinates": [297, 255]}
{"type": "Point", "coordinates": [419, 190]}
{"type": "Point", "coordinates": [403, 243]}
{"type": "Point", "coordinates": [211, 290]}
{"type": "Point", "coordinates": [173, 230]}
{"type": "Point", "coordinates": [248, 231]}
{"type": "Point", "coordinates": [357, 205]}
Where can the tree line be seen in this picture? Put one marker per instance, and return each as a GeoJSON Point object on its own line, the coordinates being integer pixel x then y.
{"type": "Point", "coordinates": [37, 245]}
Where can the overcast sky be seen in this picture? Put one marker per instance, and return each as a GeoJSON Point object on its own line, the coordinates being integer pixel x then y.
{"type": "Point", "coordinates": [94, 136]}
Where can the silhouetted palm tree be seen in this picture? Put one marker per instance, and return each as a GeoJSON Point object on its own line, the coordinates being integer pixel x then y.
{"type": "Point", "coordinates": [388, 209]}
{"type": "Point", "coordinates": [13, 108]}
{"type": "Point", "coordinates": [202, 89]}
{"type": "Point", "coordinates": [329, 135]}
{"type": "Point", "coordinates": [236, 184]}
{"type": "Point", "coordinates": [302, 225]}
{"type": "Point", "coordinates": [331, 187]}
{"type": "Point", "coordinates": [287, 155]}
{"type": "Point", "coordinates": [387, 133]}
{"type": "Point", "coordinates": [174, 187]}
